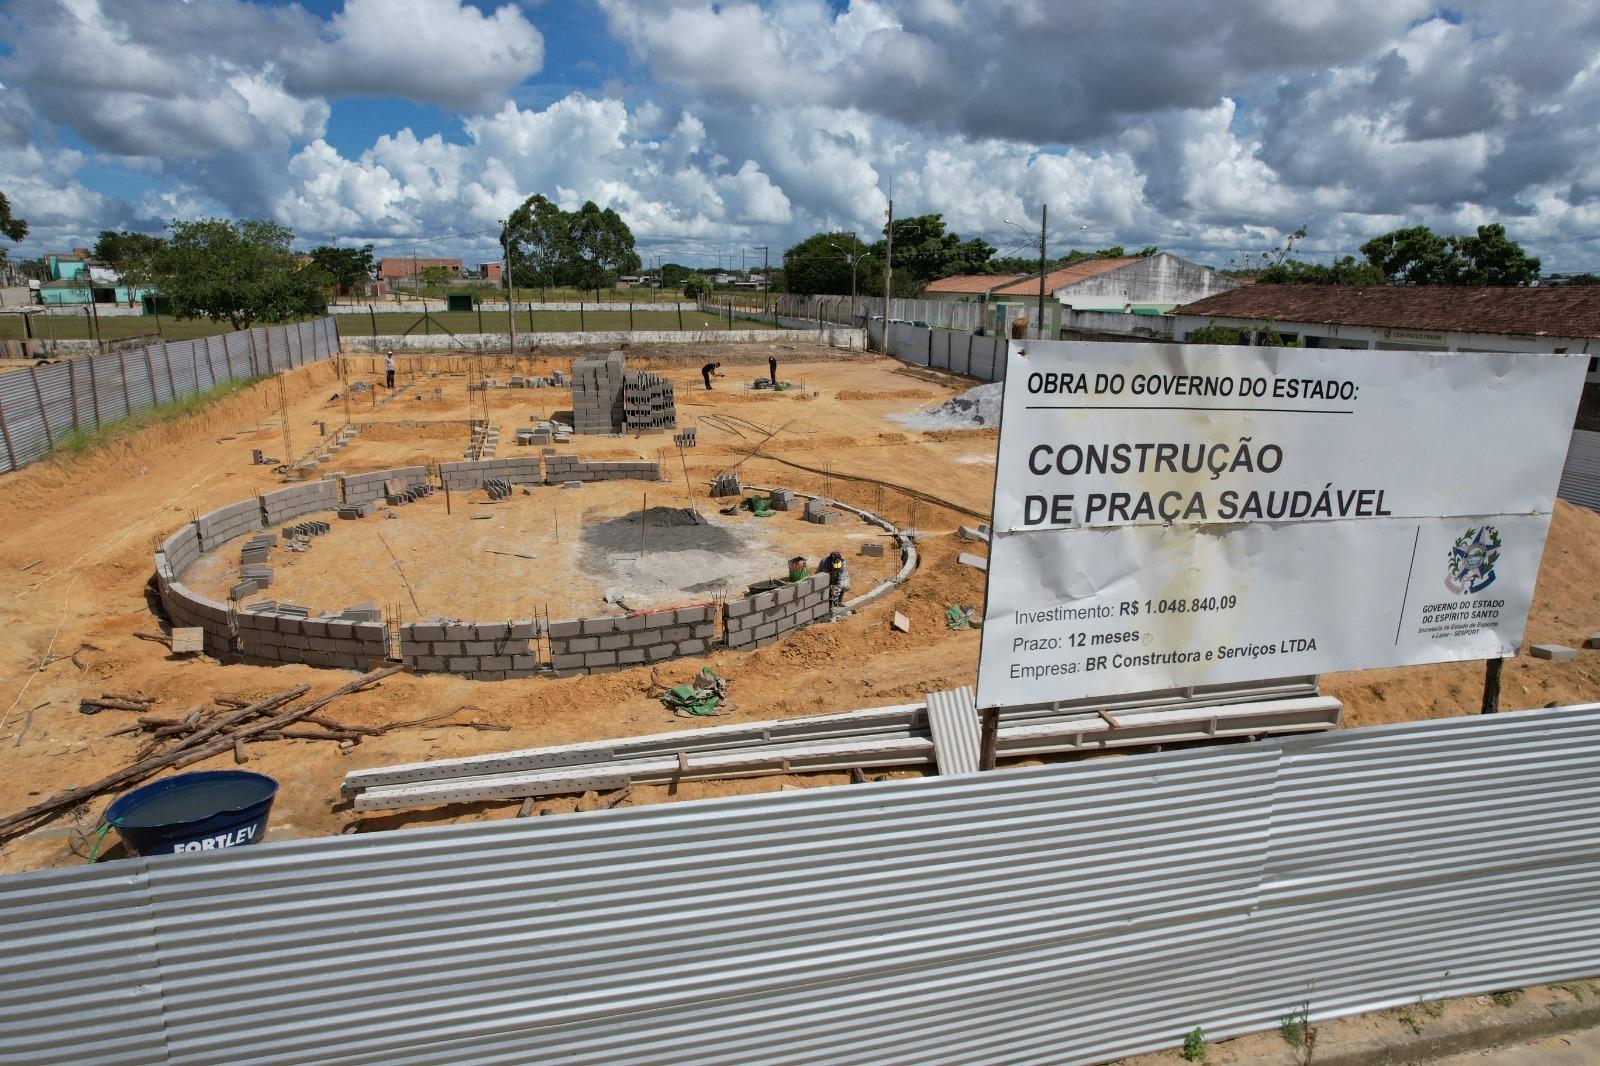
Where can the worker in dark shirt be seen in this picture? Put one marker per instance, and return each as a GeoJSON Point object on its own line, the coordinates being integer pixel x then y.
{"type": "Point", "coordinates": [772, 369]}
{"type": "Point", "coordinates": [707, 371]}
{"type": "Point", "coordinates": [833, 565]}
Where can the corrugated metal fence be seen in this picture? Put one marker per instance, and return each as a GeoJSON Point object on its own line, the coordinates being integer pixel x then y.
{"type": "Point", "coordinates": [1061, 914]}
{"type": "Point", "coordinates": [1580, 477]}
{"type": "Point", "coordinates": [41, 405]}
{"type": "Point", "coordinates": [963, 353]}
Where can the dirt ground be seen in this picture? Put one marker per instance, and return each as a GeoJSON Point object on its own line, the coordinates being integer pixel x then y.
{"type": "Point", "coordinates": [75, 563]}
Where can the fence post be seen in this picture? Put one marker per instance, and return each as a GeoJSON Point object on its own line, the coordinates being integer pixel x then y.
{"type": "Point", "coordinates": [5, 434]}
{"type": "Point", "coordinates": [150, 373]}
{"type": "Point", "coordinates": [127, 400]}
{"type": "Point", "coordinates": [272, 367]}
{"type": "Point", "coordinates": [680, 316]}
{"type": "Point", "coordinates": [72, 389]}
{"type": "Point", "coordinates": [94, 392]}
{"type": "Point", "coordinates": [373, 316]}
{"type": "Point", "coordinates": [630, 317]}
{"type": "Point", "coordinates": [250, 341]}
{"type": "Point", "coordinates": [44, 415]}
{"type": "Point", "coordinates": [530, 316]}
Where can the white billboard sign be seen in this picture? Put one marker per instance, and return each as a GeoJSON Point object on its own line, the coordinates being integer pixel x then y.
{"type": "Point", "coordinates": [1169, 515]}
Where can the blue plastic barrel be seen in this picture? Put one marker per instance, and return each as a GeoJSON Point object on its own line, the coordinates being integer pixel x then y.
{"type": "Point", "coordinates": [203, 811]}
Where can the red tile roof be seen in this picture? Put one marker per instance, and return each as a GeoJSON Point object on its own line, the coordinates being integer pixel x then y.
{"type": "Point", "coordinates": [971, 283]}
{"type": "Point", "coordinates": [1541, 311]}
{"type": "Point", "coordinates": [1083, 268]}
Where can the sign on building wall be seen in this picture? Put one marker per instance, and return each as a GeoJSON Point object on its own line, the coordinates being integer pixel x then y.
{"type": "Point", "coordinates": [1171, 515]}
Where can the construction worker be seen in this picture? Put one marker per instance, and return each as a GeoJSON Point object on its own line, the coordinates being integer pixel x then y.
{"type": "Point", "coordinates": [708, 371]}
{"type": "Point", "coordinates": [388, 367]}
{"type": "Point", "coordinates": [772, 369]}
{"type": "Point", "coordinates": [838, 572]}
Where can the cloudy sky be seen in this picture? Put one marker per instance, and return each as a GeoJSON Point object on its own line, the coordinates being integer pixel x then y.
{"type": "Point", "coordinates": [1208, 127]}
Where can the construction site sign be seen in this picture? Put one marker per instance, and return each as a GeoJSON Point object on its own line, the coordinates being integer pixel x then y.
{"type": "Point", "coordinates": [1170, 515]}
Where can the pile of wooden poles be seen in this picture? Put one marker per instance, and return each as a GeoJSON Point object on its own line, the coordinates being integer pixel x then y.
{"type": "Point", "coordinates": [178, 742]}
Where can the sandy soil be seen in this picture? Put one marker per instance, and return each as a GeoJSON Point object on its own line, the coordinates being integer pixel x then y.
{"type": "Point", "coordinates": [75, 563]}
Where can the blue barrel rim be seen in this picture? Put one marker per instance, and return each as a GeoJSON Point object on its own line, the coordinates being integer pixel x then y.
{"type": "Point", "coordinates": [137, 796]}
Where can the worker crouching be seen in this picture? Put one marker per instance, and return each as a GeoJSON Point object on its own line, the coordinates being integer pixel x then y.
{"type": "Point", "coordinates": [838, 572]}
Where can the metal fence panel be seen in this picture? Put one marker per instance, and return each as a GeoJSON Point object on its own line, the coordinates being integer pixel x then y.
{"type": "Point", "coordinates": [1060, 914]}
{"type": "Point", "coordinates": [1580, 477]}
{"type": "Point", "coordinates": [40, 406]}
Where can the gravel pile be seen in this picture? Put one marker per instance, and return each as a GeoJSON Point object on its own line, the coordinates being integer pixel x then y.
{"type": "Point", "coordinates": [977, 407]}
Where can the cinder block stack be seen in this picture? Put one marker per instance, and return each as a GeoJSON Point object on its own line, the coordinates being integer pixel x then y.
{"type": "Point", "coordinates": [647, 402]}
{"type": "Point", "coordinates": [684, 438]}
{"type": "Point", "coordinates": [359, 510]}
{"type": "Point", "coordinates": [497, 488]}
{"type": "Point", "coordinates": [597, 385]}
{"type": "Point", "coordinates": [726, 485]}
{"type": "Point", "coordinates": [817, 511]}
{"type": "Point", "coordinates": [782, 499]}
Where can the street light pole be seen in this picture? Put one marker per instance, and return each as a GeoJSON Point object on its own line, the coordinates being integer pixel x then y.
{"type": "Point", "coordinates": [1044, 213]}
{"type": "Point", "coordinates": [511, 309]}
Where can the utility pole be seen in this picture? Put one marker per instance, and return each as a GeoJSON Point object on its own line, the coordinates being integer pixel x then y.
{"type": "Point", "coordinates": [1044, 213]}
{"type": "Point", "coordinates": [888, 272]}
{"type": "Point", "coordinates": [511, 308]}
{"type": "Point", "coordinates": [765, 274]}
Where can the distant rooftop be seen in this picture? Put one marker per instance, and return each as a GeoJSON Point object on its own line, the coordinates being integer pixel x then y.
{"type": "Point", "coordinates": [971, 283]}
{"type": "Point", "coordinates": [1542, 311]}
{"type": "Point", "coordinates": [1056, 279]}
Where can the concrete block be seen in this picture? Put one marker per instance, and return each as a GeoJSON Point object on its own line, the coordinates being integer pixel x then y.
{"type": "Point", "coordinates": [559, 630]}
{"type": "Point", "coordinates": [975, 561]}
{"type": "Point", "coordinates": [446, 648]}
{"type": "Point", "coordinates": [566, 662]}
{"type": "Point", "coordinates": [480, 647]}
{"type": "Point", "coordinates": [633, 623]}
{"type": "Point", "coordinates": [1593, 641]}
{"type": "Point", "coordinates": [461, 632]}
{"type": "Point", "coordinates": [764, 631]}
{"type": "Point", "coordinates": [495, 662]}
{"type": "Point", "coordinates": [614, 641]}
{"type": "Point", "coordinates": [1553, 651]}
{"type": "Point", "coordinates": [583, 644]}
{"type": "Point", "coordinates": [657, 652]}
{"type": "Point", "coordinates": [740, 608]}
{"type": "Point", "coordinates": [872, 551]}
{"type": "Point", "coordinates": [427, 632]}
{"type": "Point", "coordinates": [463, 665]}
{"type": "Point", "coordinates": [599, 626]}
{"type": "Point", "coordinates": [600, 658]}
{"type": "Point", "coordinates": [493, 631]}
{"type": "Point", "coordinates": [630, 656]}
{"type": "Point", "coordinates": [692, 647]}
{"type": "Point", "coordinates": [524, 630]}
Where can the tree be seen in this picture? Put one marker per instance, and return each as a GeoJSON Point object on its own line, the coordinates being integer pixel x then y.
{"type": "Point", "coordinates": [540, 238]}
{"type": "Point", "coordinates": [433, 277]}
{"type": "Point", "coordinates": [673, 275]}
{"type": "Point", "coordinates": [242, 272]}
{"type": "Point", "coordinates": [820, 264]}
{"type": "Point", "coordinates": [602, 245]}
{"type": "Point", "coordinates": [1412, 256]}
{"type": "Point", "coordinates": [1346, 270]}
{"type": "Point", "coordinates": [696, 285]}
{"type": "Point", "coordinates": [349, 269]}
{"type": "Point", "coordinates": [12, 229]}
{"type": "Point", "coordinates": [132, 255]}
{"type": "Point", "coordinates": [1492, 258]}
{"type": "Point", "coordinates": [923, 252]}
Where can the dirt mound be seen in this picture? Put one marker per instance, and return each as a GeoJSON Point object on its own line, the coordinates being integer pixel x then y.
{"type": "Point", "coordinates": [889, 394]}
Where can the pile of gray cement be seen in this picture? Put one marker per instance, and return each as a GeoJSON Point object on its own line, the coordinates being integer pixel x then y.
{"type": "Point", "coordinates": [974, 409]}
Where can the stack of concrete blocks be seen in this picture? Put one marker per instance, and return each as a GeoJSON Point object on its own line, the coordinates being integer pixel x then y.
{"type": "Point", "coordinates": [258, 548]}
{"type": "Point", "coordinates": [482, 651]}
{"type": "Point", "coordinates": [565, 469]}
{"type": "Point", "coordinates": [359, 612]}
{"type": "Point", "coordinates": [517, 470]}
{"type": "Point", "coordinates": [364, 488]}
{"type": "Point", "coordinates": [684, 438]}
{"type": "Point", "coordinates": [647, 403]}
{"type": "Point", "coordinates": [313, 528]}
{"type": "Point", "coordinates": [358, 510]}
{"type": "Point", "coordinates": [597, 384]}
{"type": "Point", "coordinates": [726, 485]}
{"type": "Point", "coordinates": [497, 488]}
{"type": "Point", "coordinates": [279, 507]}
{"type": "Point", "coordinates": [597, 645]}
{"type": "Point", "coordinates": [557, 378]}
{"type": "Point", "coordinates": [757, 621]}
{"type": "Point", "coordinates": [261, 575]}
{"type": "Point", "coordinates": [782, 499]}
{"type": "Point", "coordinates": [817, 511]}
{"type": "Point", "coordinates": [216, 528]}
{"type": "Point", "coordinates": [539, 434]}
{"type": "Point", "coordinates": [285, 634]}
{"type": "Point", "coordinates": [872, 550]}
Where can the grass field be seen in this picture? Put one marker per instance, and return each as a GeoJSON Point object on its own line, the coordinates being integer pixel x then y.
{"type": "Point", "coordinates": [391, 323]}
